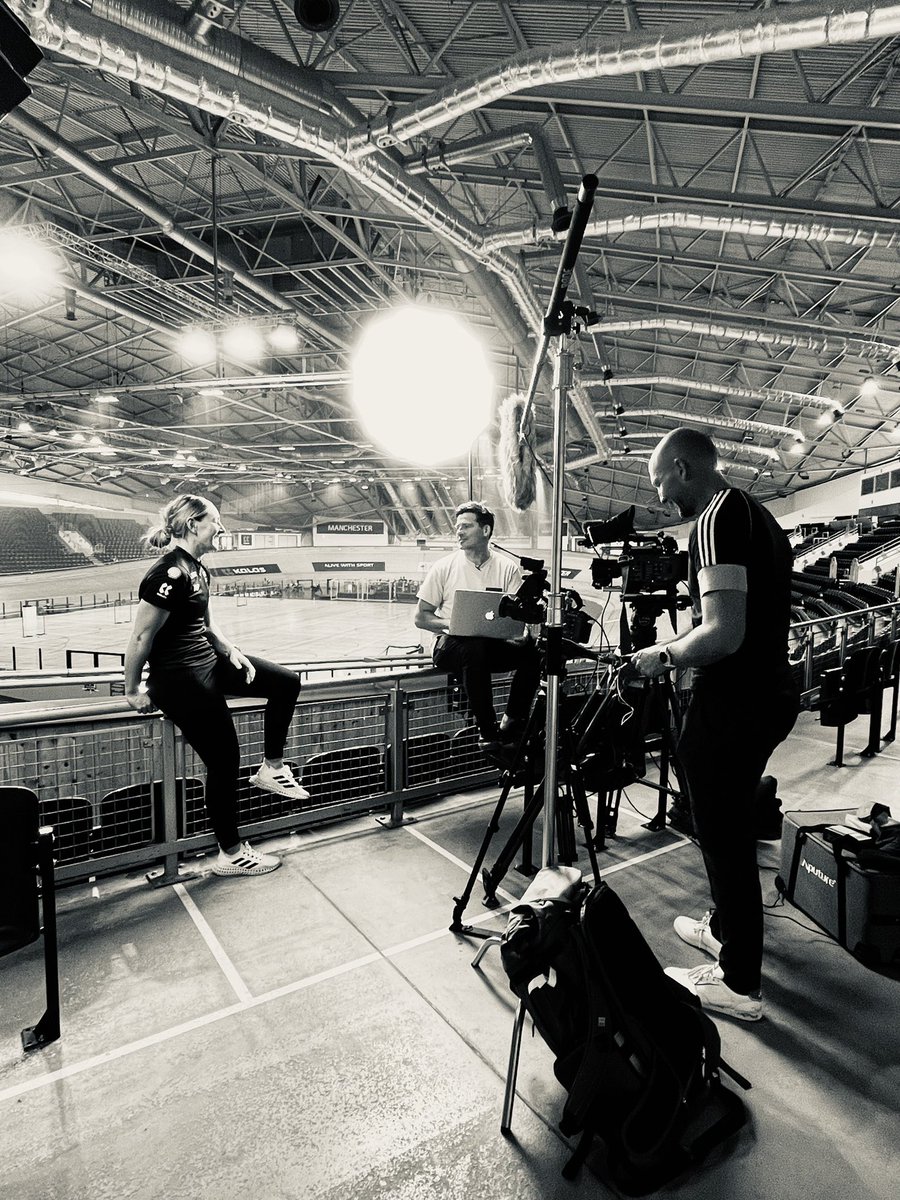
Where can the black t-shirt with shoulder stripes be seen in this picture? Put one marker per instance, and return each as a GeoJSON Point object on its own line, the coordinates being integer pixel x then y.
{"type": "Point", "coordinates": [735, 531]}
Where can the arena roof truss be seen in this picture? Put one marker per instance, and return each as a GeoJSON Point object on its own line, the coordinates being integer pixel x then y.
{"type": "Point", "coordinates": [209, 165]}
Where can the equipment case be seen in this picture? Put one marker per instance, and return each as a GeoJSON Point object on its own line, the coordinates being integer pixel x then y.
{"type": "Point", "coordinates": [857, 905]}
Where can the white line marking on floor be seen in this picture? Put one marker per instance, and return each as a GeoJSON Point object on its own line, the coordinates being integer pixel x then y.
{"type": "Point", "coordinates": [250, 1002]}
{"type": "Point", "coordinates": [229, 970]}
{"type": "Point", "coordinates": [457, 862]}
{"type": "Point", "coordinates": [639, 858]}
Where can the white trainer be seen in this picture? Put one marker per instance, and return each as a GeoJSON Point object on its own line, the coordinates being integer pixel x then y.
{"type": "Point", "coordinates": [698, 933]}
{"type": "Point", "coordinates": [707, 982]}
{"type": "Point", "coordinates": [280, 782]}
{"type": "Point", "coordinates": [245, 861]}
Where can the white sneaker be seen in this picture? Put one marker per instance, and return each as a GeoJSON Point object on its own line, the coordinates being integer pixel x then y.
{"type": "Point", "coordinates": [245, 861]}
{"type": "Point", "coordinates": [698, 933]}
{"type": "Point", "coordinates": [708, 983]}
{"type": "Point", "coordinates": [280, 782]}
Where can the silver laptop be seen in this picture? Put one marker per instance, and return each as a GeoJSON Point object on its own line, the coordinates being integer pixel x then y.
{"type": "Point", "coordinates": [474, 614]}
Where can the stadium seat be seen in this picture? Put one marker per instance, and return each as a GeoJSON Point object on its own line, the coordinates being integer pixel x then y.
{"type": "Point", "coordinates": [848, 690]}
{"type": "Point", "coordinates": [28, 894]}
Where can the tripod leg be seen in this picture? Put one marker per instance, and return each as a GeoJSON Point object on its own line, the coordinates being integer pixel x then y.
{"type": "Point", "coordinates": [565, 828]}
{"type": "Point", "coordinates": [492, 877]}
{"type": "Point", "coordinates": [460, 903]}
{"type": "Point", "coordinates": [583, 815]}
{"type": "Point", "coordinates": [612, 811]}
{"type": "Point", "coordinates": [512, 1069]}
{"type": "Point", "coordinates": [526, 862]}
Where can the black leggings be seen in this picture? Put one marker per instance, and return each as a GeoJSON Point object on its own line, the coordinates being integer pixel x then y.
{"type": "Point", "coordinates": [194, 700]}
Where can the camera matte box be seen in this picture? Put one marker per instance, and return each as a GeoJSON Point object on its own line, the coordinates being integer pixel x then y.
{"type": "Point", "coordinates": [858, 906]}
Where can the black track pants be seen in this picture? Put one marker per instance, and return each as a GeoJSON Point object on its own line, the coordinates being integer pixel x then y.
{"type": "Point", "coordinates": [724, 746]}
{"type": "Point", "coordinates": [475, 659]}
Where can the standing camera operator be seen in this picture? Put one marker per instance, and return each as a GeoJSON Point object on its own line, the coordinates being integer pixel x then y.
{"type": "Point", "coordinates": [474, 568]}
{"type": "Point", "coordinates": [744, 702]}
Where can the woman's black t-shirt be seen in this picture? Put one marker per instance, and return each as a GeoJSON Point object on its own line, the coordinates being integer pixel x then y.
{"type": "Point", "coordinates": [179, 583]}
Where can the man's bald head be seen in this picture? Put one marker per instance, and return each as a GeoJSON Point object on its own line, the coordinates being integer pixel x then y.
{"type": "Point", "coordinates": [683, 469]}
{"type": "Point", "coordinates": [689, 445]}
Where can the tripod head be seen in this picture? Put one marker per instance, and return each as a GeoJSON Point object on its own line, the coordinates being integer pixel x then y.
{"type": "Point", "coordinates": [646, 610]}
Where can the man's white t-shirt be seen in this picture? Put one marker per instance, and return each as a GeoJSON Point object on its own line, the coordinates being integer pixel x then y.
{"type": "Point", "coordinates": [454, 572]}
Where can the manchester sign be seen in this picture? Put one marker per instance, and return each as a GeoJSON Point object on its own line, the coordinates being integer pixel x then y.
{"type": "Point", "coordinates": [346, 528]}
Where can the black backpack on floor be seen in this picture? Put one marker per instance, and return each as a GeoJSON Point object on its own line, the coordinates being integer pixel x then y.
{"type": "Point", "coordinates": [635, 1052]}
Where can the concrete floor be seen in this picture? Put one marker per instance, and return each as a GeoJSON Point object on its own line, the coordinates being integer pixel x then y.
{"type": "Point", "coordinates": [318, 1033]}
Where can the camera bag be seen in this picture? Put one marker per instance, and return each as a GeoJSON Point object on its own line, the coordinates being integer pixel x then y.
{"type": "Point", "coordinates": [633, 1049]}
{"type": "Point", "coordinates": [826, 873]}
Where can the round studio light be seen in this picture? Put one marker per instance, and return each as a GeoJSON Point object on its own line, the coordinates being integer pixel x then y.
{"type": "Point", "coordinates": [244, 343]}
{"type": "Point", "coordinates": [421, 384]}
{"type": "Point", "coordinates": [197, 345]}
{"type": "Point", "coordinates": [284, 340]}
{"type": "Point", "coordinates": [29, 269]}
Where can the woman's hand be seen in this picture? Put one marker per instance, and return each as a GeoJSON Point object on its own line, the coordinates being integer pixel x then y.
{"type": "Point", "coordinates": [241, 662]}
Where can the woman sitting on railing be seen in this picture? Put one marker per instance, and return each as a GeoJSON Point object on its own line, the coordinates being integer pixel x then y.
{"type": "Point", "coordinates": [193, 666]}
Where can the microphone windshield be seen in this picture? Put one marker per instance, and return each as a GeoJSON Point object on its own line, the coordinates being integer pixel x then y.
{"type": "Point", "coordinates": [517, 466]}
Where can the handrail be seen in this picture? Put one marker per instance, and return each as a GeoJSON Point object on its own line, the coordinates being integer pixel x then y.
{"type": "Point", "coordinates": [883, 548]}
{"type": "Point", "coordinates": [819, 547]}
{"type": "Point", "coordinates": [103, 675]}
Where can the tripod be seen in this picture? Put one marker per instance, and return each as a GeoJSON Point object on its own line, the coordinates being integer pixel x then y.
{"type": "Point", "coordinates": [522, 768]}
{"type": "Point", "coordinates": [661, 708]}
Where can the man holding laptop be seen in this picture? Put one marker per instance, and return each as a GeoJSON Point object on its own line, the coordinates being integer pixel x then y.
{"type": "Point", "coordinates": [457, 602]}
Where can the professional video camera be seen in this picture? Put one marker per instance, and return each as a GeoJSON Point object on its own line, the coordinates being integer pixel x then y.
{"type": "Point", "coordinates": [651, 566]}
{"type": "Point", "coordinates": [529, 603]}
{"type": "Point", "coordinates": [648, 562]}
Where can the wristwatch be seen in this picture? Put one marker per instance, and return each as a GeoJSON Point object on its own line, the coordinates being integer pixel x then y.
{"type": "Point", "coordinates": [665, 658]}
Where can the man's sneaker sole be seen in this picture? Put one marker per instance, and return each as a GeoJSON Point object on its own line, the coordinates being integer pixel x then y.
{"type": "Point", "coordinates": [726, 1002]}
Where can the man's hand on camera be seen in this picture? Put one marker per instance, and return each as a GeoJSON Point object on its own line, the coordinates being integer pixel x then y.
{"type": "Point", "coordinates": [651, 662]}
{"type": "Point", "coordinates": [140, 701]}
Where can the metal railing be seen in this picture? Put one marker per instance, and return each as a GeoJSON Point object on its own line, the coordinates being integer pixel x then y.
{"type": "Point", "coordinates": [124, 790]}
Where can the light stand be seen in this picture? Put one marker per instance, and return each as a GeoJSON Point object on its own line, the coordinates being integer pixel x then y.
{"type": "Point", "coordinates": [558, 322]}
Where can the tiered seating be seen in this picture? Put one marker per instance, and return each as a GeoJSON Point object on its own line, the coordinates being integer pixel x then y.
{"type": "Point", "coordinates": [888, 582]}
{"type": "Point", "coordinates": [112, 539]}
{"type": "Point", "coordinates": [864, 546]}
{"type": "Point", "coordinates": [28, 542]}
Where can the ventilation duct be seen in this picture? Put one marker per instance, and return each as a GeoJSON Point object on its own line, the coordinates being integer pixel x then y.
{"type": "Point", "coordinates": [124, 39]}
{"type": "Point", "coordinates": [318, 16]}
{"type": "Point", "coordinates": [835, 344]}
{"type": "Point", "coordinates": [769, 31]}
{"type": "Point", "coordinates": [757, 395]}
{"type": "Point", "coordinates": [724, 446]}
{"type": "Point", "coordinates": [716, 420]}
{"type": "Point", "coordinates": [746, 226]}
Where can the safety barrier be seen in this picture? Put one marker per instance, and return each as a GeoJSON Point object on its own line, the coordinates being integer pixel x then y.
{"type": "Point", "coordinates": [124, 790]}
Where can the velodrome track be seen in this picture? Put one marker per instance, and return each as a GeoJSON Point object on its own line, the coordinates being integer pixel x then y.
{"type": "Point", "coordinates": [290, 630]}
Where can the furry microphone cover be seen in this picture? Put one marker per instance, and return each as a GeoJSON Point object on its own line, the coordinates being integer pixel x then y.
{"type": "Point", "coordinates": [517, 464]}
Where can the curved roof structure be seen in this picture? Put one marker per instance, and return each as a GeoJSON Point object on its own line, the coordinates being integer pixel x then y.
{"type": "Point", "coordinates": [207, 165]}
